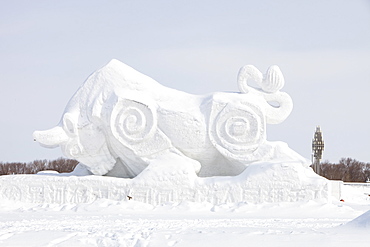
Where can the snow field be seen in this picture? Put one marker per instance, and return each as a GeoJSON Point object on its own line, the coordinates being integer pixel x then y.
{"type": "Point", "coordinates": [130, 223]}
{"type": "Point", "coordinates": [35, 212]}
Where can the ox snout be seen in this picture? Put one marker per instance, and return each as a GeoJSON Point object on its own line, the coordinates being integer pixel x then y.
{"type": "Point", "coordinates": [51, 138]}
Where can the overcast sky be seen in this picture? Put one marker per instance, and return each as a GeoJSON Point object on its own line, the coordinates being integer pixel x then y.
{"type": "Point", "coordinates": [48, 48]}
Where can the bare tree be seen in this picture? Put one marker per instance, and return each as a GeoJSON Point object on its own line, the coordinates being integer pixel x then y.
{"type": "Point", "coordinates": [347, 170]}
{"type": "Point", "coordinates": [59, 165]}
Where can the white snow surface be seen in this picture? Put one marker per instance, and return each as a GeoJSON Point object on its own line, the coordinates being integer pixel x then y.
{"type": "Point", "coordinates": [78, 209]}
{"type": "Point", "coordinates": [261, 182]}
{"type": "Point", "coordinates": [52, 209]}
{"type": "Point", "coordinates": [105, 222]}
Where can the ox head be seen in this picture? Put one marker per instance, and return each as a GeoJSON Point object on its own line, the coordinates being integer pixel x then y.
{"type": "Point", "coordinates": [79, 134]}
{"type": "Point", "coordinates": [84, 142]}
{"type": "Point", "coordinates": [87, 130]}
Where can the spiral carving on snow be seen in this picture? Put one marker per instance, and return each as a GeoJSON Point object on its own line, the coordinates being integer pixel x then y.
{"type": "Point", "coordinates": [132, 121]}
{"type": "Point", "coordinates": [270, 85]}
{"type": "Point", "coordinates": [237, 131]}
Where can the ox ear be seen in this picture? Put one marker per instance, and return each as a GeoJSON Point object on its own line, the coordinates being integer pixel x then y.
{"type": "Point", "coordinates": [70, 125]}
{"type": "Point", "coordinates": [97, 108]}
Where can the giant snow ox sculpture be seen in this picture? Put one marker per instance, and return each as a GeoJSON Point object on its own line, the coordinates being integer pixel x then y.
{"type": "Point", "coordinates": [120, 121]}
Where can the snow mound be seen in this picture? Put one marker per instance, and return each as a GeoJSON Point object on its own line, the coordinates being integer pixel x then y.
{"type": "Point", "coordinates": [362, 221]}
{"type": "Point", "coordinates": [260, 183]}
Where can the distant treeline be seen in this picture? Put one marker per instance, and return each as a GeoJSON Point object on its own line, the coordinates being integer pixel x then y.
{"type": "Point", "coordinates": [347, 170]}
{"type": "Point", "coordinates": [60, 165]}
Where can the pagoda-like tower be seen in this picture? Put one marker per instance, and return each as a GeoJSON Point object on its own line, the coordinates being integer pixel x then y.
{"type": "Point", "coordinates": [317, 149]}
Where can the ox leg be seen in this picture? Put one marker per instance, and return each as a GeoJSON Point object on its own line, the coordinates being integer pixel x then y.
{"type": "Point", "coordinates": [170, 165]}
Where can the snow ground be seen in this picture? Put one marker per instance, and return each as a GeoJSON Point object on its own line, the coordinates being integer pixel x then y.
{"type": "Point", "coordinates": [130, 223]}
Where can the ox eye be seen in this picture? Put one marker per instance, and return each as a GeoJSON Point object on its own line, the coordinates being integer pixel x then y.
{"type": "Point", "coordinates": [68, 125]}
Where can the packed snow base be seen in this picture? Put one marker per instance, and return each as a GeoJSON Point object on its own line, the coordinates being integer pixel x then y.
{"type": "Point", "coordinates": [261, 182]}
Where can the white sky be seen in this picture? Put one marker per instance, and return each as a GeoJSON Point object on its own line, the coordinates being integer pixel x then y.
{"type": "Point", "coordinates": [48, 48]}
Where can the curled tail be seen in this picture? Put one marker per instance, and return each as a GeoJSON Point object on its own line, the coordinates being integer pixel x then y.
{"type": "Point", "coordinates": [278, 104]}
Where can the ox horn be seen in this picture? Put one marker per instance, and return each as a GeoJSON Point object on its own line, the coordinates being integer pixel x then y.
{"type": "Point", "coordinates": [50, 138]}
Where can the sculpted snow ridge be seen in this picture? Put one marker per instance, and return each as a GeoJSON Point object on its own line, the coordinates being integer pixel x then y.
{"type": "Point", "coordinates": [119, 121]}
{"type": "Point", "coordinates": [160, 183]}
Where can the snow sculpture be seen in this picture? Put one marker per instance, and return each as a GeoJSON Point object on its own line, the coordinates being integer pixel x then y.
{"type": "Point", "coordinates": [120, 121]}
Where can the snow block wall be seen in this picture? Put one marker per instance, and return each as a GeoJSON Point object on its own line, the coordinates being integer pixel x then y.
{"type": "Point", "coordinates": [260, 183]}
